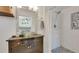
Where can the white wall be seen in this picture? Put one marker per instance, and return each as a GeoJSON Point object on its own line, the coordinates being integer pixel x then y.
{"type": "Point", "coordinates": [7, 29]}
{"type": "Point", "coordinates": [42, 17]}
{"type": "Point", "coordinates": [70, 37]}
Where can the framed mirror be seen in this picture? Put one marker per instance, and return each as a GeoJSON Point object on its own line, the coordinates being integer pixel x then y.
{"type": "Point", "coordinates": [25, 22]}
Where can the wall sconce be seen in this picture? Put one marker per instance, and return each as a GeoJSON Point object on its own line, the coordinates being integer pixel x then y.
{"type": "Point", "coordinates": [54, 26]}
{"type": "Point", "coordinates": [42, 24]}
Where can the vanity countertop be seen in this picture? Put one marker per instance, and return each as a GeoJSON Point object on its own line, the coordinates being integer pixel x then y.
{"type": "Point", "coordinates": [26, 37]}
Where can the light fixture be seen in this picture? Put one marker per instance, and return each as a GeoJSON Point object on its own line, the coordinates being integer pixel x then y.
{"type": "Point", "coordinates": [34, 8]}
{"type": "Point", "coordinates": [19, 6]}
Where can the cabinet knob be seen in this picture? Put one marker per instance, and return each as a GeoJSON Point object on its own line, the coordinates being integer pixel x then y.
{"type": "Point", "coordinates": [18, 43]}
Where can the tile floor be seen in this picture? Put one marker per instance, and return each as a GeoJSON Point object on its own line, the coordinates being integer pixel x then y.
{"type": "Point", "coordinates": [61, 50]}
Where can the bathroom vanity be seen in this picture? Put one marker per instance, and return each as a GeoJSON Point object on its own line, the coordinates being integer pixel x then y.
{"type": "Point", "coordinates": [30, 44]}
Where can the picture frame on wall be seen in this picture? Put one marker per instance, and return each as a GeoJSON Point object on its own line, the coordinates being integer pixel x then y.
{"type": "Point", "coordinates": [75, 20]}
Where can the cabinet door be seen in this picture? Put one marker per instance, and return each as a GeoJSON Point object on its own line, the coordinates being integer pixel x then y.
{"type": "Point", "coordinates": [39, 44]}
{"type": "Point", "coordinates": [13, 45]}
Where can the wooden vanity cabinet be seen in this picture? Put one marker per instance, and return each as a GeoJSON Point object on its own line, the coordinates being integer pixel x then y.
{"type": "Point", "coordinates": [26, 45]}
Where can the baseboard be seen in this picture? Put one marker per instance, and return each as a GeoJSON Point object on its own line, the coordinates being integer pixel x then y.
{"type": "Point", "coordinates": [68, 49]}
